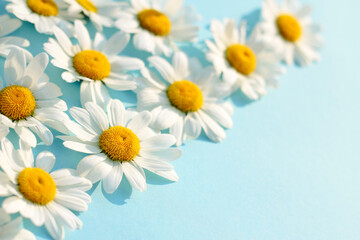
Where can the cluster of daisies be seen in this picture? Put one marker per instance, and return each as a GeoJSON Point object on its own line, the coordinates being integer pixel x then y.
{"type": "Point", "coordinates": [177, 97]}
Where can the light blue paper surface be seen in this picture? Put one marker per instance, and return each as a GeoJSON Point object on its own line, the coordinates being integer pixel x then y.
{"type": "Point", "coordinates": [289, 169]}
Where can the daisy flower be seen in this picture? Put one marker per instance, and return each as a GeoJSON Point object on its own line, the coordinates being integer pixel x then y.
{"type": "Point", "coordinates": [44, 197]}
{"type": "Point", "coordinates": [94, 63]}
{"type": "Point", "coordinates": [187, 101]}
{"type": "Point", "coordinates": [291, 30]}
{"type": "Point", "coordinates": [119, 142]}
{"type": "Point", "coordinates": [45, 14]}
{"type": "Point", "coordinates": [10, 229]}
{"type": "Point", "coordinates": [246, 63]}
{"type": "Point", "coordinates": [157, 26]}
{"type": "Point", "coordinates": [28, 100]}
{"type": "Point", "coordinates": [100, 12]}
{"type": "Point", "coordinates": [7, 26]}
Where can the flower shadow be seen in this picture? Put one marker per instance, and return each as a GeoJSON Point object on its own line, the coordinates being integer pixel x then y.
{"type": "Point", "coordinates": [154, 179]}
{"type": "Point", "coordinates": [239, 99]}
{"type": "Point", "coordinates": [122, 193]}
{"type": "Point", "coordinates": [252, 18]}
{"type": "Point", "coordinates": [39, 232]}
{"type": "Point", "coordinates": [197, 51]}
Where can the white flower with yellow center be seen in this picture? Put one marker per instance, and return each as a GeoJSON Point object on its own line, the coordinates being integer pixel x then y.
{"type": "Point", "coordinates": [95, 63]}
{"type": "Point", "coordinates": [187, 101]}
{"type": "Point", "coordinates": [44, 14]}
{"type": "Point", "coordinates": [9, 229]}
{"type": "Point", "coordinates": [119, 142]}
{"type": "Point", "coordinates": [28, 100]}
{"type": "Point", "coordinates": [7, 26]}
{"type": "Point", "coordinates": [157, 26]}
{"type": "Point", "coordinates": [291, 31]}
{"type": "Point", "coordinates": [100, 12]}
{"type": "Point", "coordinates": [45, 197]}
{"type": "Point", "coordinates": [245, 63]}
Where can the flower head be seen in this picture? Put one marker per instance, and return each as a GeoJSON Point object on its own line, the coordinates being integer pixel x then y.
{"type": "Point", "coordinates": [102, 13]}
{"type": "Point", "coordinates": [246, 63]}
{"type": "Point", "coordinates": [188, 99]}
{"type": "Point", "coordinates": [45, 197]}
{"type": "Point", "coordinates": [44, 14]}
{"type": "Point", "coordinates": [291, 31]}
{"type": "Point", "coordinates": [156, 26]}
{"type": "Point", "coordinates": [119, 142]}
{"type": "Point", "coordinates": [28, 101]}
{"type": "Point", "coordinates": [94, 62]}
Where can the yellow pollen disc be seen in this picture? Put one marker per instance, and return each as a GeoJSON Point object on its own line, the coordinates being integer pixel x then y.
{"type": "Point", "coordinates": [17, 102]}
{"type": "Point", "coordinates": [185, 96]}
{"type": "Point", "coordinates": [92, 64]}
{"type": "Point", "coordinates": [289, 27]}
{"type": "Point", "coordinates": [36, 185]}
{"type": "Point", "coordinates": [242, 58]}
{"type": "Point", "coordinates": [88, 5]}
{"type": "Point", "coordinates": [155, 22]}
{"type": "Point", "coordinates": [43, 7]}
{"type": "Point", "coordinates": [119, 144]}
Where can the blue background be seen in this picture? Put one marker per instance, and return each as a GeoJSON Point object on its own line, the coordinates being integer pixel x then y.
{"type": "Point", "coordinates": [288, 169]}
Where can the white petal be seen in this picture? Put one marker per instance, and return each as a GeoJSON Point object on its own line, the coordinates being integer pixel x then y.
{"type": "Point", "coordinates": [112, 181]}
{"type": "Point", "coordinates": [116, 113]}
{"type": "Point", "coordinates": [37, 67]}
{"type": "Point", "coordinates": [82, 147]}
{"type": "Point", "coordinates": [45, 160]}
{"type": "Point", "coordinates": [98, 115]}
{"type": "Point", "coordinates": [192, 126]}
{"type": "Point", "coordinates": [26, 135]}
{"type": "Point", "coordinates": [169, 154]}
{"type": "Point", "coordinates": [14, 66]}
{"type": "Point", "coordinates": [144, 41]}
{"type": "Point", "coordinates": [89, 162]}
{"type": "Point", "coordinates": [82, 35]}
{"type": "Point", "coordinates": [116, 43]}
{"type": "Point", "coordinates": [159, 141]}
{"type": "Point", "coordinates": [177, 130]}
{"type": "Point", "coordinates": [211, 128]}
{"type": "Point", "coordinates": [181, 65]}
{"type": "Point", "coordinates": [13, 204]}
{"type": "Point", "coordinates": [100, 171]}
{"type": "Point", "coordinates": [140, 121]}
{"type": "Point", "coordinates": [135, 175]}
{"type": "Point", "coordinates": [164, 68]}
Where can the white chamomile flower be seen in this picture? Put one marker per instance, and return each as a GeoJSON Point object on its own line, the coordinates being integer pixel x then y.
{"type": "Point", "coordinates": [119, 142]}
{"type": "Point", "coordinates": [9, 230]}
{"type": "Point", "coordinates": [245, 63]}
{"type": "Point", "coordinates": [44, 197]}
{"type": "Point", "coordinates": [45, 14]}
{"type": "Point", "coordinates": [28, 100]}
{"type": "Point", "coordinates": [7, 26]}
{"type": "Point", "coordinates": [187, 101]}
{"type": "Point", "coordinates": [290, 29]}
{"type": "Point", "coordinates": [94, 63]}
{"type": "Point", "coordinates": [158, 26]}
{"type": "Point", "coordinates": [100, 12]}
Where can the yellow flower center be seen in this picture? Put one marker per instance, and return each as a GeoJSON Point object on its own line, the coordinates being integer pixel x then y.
{"type": "Point", "coordinates": [36, 185]}
{"type": "Point", "coordinates": [17, 102]}
{"type": "Point", "coordinates": [289, 27]}
{"type": "Point", "coordinates": [88, 5]}
{"type": "Point", "coordinates": [155, 22]}
{"type": "Point", "coordinates": [185, 96]}
{"type": "Point", "coordinates": [92, 64]}
{"type": "Point", "coordinates": [242, 58]}
{"type": "Point", "coordinates": [119, 144]}
{"type": "Point", "coordinates": [43, 7]}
